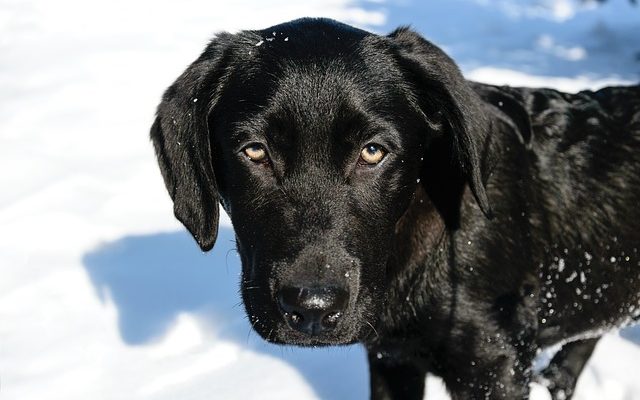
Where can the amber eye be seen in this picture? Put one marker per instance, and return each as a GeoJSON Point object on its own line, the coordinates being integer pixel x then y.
{"type": "Point", "coordinates": [256, 152]}
{"type": "Point", "coordinates": [372, 154]}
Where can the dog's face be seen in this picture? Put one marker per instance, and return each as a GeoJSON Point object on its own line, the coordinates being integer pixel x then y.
{"type": "Point", "coordinates": [314, 177]}
{"type": "Point", "coordinates": [312, 135]}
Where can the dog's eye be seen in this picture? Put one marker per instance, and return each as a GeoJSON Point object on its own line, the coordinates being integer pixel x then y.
{"type": "Point", "coordinates": [256, 153]}
{"type": "Point", "coordinates": [372, 154]}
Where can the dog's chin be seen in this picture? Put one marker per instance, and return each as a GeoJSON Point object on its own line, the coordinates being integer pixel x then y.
{"type": "Point", "coordinates": [284, 335]}
{"type": "Point", "coordinates": [302, 341]}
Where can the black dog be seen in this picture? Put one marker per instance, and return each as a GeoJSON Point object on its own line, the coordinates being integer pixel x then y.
{"type": "Point", "coordinates": [377, 196]}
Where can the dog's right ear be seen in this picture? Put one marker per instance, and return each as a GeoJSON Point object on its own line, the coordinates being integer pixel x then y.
{"type": "Point", "coordinates": [182, 142]}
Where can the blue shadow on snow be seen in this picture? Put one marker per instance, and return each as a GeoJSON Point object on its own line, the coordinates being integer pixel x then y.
{"type": "Point", "coordinates": [153, 278]}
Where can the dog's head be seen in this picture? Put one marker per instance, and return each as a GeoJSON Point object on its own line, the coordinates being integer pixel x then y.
{"type": "Point", "coordinates": [313, 136]}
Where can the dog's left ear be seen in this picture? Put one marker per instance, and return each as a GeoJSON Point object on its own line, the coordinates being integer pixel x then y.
{"type": "Point", "coordinates": [445, 98]}
{"type": "Point", "coordinates": [181, 139]}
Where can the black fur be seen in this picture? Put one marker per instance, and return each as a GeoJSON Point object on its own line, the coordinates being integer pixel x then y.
{"type": "Point", "coordinates": [501, 220]}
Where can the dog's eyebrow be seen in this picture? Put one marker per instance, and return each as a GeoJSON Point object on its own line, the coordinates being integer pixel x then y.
{"type": "Point", "coordinates": [253, 126]}
{"type": "Point", "coordinates": [373, 128]}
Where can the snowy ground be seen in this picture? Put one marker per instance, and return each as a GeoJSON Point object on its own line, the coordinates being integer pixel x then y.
{"type": "Point", "coordinates": [103, 295]}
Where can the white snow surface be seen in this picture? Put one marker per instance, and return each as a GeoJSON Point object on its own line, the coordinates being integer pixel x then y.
{"type": "Point", "coordinates": [102, 293]}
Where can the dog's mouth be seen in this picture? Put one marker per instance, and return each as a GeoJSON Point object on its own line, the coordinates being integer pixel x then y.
{"type": "Point", "coordinates": [280, 332]}
{"type": "Point", "coordinates": [291, 337]}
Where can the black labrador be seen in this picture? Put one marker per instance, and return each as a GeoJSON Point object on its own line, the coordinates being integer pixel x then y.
{"type": "Point", "coordinates": [377, 196]}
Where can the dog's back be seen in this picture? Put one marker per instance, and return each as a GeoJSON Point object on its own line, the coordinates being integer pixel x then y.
{"type": "Point", "coordinates": [583, 153]}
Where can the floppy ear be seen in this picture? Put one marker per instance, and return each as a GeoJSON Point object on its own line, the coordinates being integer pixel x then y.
{"type": "Point", "coordinates": [445, 97]}
{"type": "Point", "coordinates": [181, 139]}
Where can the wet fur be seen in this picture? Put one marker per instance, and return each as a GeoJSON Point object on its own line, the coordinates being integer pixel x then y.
{"type": "Point", "coordinates": [503, 220]}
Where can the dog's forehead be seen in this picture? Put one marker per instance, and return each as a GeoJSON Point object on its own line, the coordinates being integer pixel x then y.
{"type": "Point", "coordinates": [306, 87]}
{"type": "Point", "coordinates": [311, 52]}
{"type": "Point", "coordinates": [319, 109]}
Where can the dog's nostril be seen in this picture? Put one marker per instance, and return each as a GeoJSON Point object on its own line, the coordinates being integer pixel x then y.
{"type": "Point", "coordinates": [295, 318]}
{"type": "Point", "coordinates": [313, 310]}
{"type": "Point", "coordinates": [331, 319]}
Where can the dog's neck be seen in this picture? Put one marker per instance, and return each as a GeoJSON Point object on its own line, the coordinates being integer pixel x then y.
{"type": "Point", "coordinates": [420, 255]}
{"type": "Point", "coordinates": [419, 232]}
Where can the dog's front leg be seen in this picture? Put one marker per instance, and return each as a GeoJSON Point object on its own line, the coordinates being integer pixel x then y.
{"type": "Point", "coordinates": [503, 377]}
{"type": "Point", "coordinates": [392, 379]}
{"type": "Point", "coordinates": [563, 371]}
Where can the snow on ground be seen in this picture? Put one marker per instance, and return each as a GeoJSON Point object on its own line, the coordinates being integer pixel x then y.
{"type": "Point", "coordinates": [102, 293]}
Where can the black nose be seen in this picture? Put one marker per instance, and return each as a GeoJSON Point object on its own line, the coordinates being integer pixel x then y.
{"type": "Point", "coordinates": [313, 310]}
